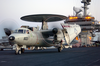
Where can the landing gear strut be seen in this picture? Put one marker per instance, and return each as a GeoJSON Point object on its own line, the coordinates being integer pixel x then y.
{"type": "Point", "coordinates": [61, 47]}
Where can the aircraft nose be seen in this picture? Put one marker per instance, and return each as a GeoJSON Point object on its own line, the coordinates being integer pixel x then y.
{"type": "Point", "coordinates": [11, 38]}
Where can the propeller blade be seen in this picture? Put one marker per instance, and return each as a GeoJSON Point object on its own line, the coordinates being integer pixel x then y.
{"type": "Point", "coordinates": [7, 31]}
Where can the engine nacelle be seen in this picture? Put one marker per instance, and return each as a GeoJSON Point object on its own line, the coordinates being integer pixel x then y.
{"type": "Point", "coordinates": [58, 35]}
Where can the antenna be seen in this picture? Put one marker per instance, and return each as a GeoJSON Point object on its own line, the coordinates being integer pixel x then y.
{"type": "Point", "coordinates": [86, 3]}
{"type": "Point", "coordinates": [77, 10]}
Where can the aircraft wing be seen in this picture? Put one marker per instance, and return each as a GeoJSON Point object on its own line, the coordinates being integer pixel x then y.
{"type": "Point", "coordinates": [70, 32]}
{"type": "Point", "coordinates": [47, 33]}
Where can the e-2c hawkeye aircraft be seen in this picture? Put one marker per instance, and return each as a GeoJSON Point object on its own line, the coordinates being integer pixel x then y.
{"type": "Point", "coordinates": [41, 38]}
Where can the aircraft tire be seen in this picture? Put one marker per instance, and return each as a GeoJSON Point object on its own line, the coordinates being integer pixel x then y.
{"type": "Point", "coordinates": [22, 50]}
{"type": "Point", "coordinates": [16, 52]}
{"type": "Point", "coordinates": [19, 52]}
{"type": "Point", "coordinates": [59, 49]}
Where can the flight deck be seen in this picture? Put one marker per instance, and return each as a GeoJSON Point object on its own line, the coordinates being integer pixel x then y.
{"type": "Point", "coordinates": [51, 57]}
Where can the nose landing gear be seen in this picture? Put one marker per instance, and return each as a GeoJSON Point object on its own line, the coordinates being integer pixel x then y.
{"type": "Point", "coordinates": [19, 49]}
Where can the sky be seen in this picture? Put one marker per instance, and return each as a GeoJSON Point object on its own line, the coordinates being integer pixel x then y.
{"type": "Point", "coordinates": [12, 10]}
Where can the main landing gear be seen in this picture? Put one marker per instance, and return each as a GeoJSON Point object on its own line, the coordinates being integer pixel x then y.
{"type": "Point", "coordinates": [60, 48]}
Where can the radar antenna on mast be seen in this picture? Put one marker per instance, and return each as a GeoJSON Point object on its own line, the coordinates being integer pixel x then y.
{"type": "Point", "coordinates": [77, 10]}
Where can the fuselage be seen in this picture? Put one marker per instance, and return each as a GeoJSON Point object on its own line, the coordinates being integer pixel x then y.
{"type": "Point", "coordinates": [32, 38]}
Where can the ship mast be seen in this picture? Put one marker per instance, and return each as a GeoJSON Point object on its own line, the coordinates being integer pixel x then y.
{"type": "Point", "coordinates": [86, 3]}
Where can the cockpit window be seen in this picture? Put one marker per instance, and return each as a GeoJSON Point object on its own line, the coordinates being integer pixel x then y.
{"type": "Point", "coordinates": [20, 31]}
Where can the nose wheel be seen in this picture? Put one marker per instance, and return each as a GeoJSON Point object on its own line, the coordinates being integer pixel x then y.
{"type": "Point", "coordinates": [22, 50]}
{"type": "Point", "coordinates": [18, 50]}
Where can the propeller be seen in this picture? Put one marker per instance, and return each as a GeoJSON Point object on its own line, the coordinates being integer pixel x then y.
{"type": "Point", "coordinates": [7, 26]}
